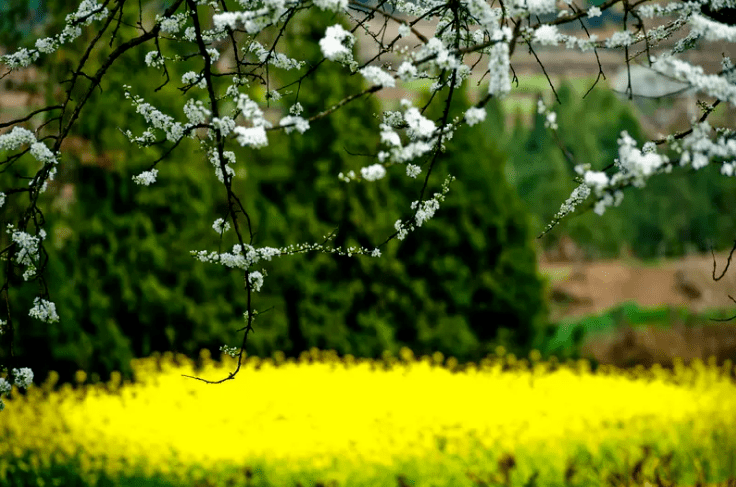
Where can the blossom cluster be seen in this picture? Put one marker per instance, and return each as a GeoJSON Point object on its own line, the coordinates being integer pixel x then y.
{"type": "Point", "coordinates": [423, 211]}
{"type": "Point", "coordinates": [337, 44]}
{"type": "Point", "coordinates": [276, 59]}
{"type": "Point", "coordinates": [221, 226]}
{"type": "Point", "coordinates": [237, 258]}
{"type": "Point", "coordinates": [27, 251]}
{"type": "Point", "coordinates": [23, 379]}
{"type": "Point", "coordinates": [44, 310]}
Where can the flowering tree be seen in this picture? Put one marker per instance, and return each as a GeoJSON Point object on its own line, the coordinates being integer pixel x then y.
{"type": "Point", "coordinates": [240, 84]}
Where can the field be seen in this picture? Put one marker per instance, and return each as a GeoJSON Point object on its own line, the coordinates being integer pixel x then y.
{"type": "Point", "coordinates": [429, 421]}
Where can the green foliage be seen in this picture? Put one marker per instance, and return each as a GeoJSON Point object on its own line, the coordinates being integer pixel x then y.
{"type": "Point", "coordinates": [675, 214]}
{"type": "Point", "coordinates": [449, 287]}
{"type": "Point", "coordinates": [565, 339]}
{"type": "Point", "coordinates": [125, 284]}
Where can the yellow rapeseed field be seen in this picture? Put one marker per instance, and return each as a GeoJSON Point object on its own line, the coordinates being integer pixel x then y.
{"type": "Point", "coordinates": [360, 422]}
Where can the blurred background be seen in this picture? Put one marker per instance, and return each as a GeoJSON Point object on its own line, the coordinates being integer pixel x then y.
{"type": "Point", "coordinates": [631, 287]}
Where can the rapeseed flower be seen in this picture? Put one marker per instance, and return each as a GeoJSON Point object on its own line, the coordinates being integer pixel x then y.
{"type": "Point", "coordinates": [363, 422]}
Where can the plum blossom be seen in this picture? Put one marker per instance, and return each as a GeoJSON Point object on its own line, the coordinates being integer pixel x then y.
{"type": "Point", "coordinates": [336, 44]}
{"type": "Point", "coordinates": [221, 226]}
{"type": "Point", "coordinates": [334, 5]}
{"type": "Point", "coordinates": [547, 35]}
{"type": "Point", "coordinates": [252, 137]}
{"type": "Point", "coordinates": [23, 377]}
{"type": "Point", "coordinates": [475, 115]}
{"type": "Point", "coordinates": [373, 173]}
{"type": "Point", "coordinates": [146, 178]}
{"type": "Point", "coordinates": [255, 279]}
{"type": "Point", "coordinates": [419, 125]}
{"type": "Point", "coordinates": [499, 66]}
{"type": "Point", "coordinates": [413, 170]}
{"type": "Point", "coordinates": [377, 76]}
{"type": "Point", "coordinates": [293, 122]}
{"type": "Point", "coordinates": [44, 310]}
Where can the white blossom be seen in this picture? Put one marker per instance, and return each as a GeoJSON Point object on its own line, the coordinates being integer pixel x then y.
{"type": "Point", "coordinates": [633, 162]}
{"type": "Point", "coordinates": [255, 279]}
{"type": "Point", "coordinates": [154, 59]}
{"type": "Point", "coordinates": [42, 153]}
{"type": "Point", "coordinates": [274, 58]}
{"type": "Point", "coordinates": [292, 122]}
{"type": "Point", "coordinates": [236, 258]}
{"type": "Point", "coordinates": [224, 124]}
{"type": "Point", "coordinates": [16, 138]}
{"type": "Point", "coordinates": [173, 24]}
{"type": "Point", "coordinates": [426, 211]}
{"type": "Point", "coordinates": [377, 76]}
{"type": "Point", "coordinates": [550, 121]}
{"type": "Point", "coordinates": [402, 232]}
{"type": "Point", "coordinates": [475, 115]}
{"type": "Point", "coordinates": [250, 109]}
{"type": "Point", "coordinates": [23, 377]}
{"type": "Point", "coordinates": [419, 125]}
{"type": "Point", "coordinates": [547, 35]}
{"type": "Point", "coordinates": [47, 45]}
{"type": "Point", "coordinates": [711, 30]}
{"type": "Point", "coordinates": [620, 39]}
{"type": "Point", "coordinates": [713, 85]}
{"type": "Point", "coordinates": [393, 118]}
{"type": "Point", "coordinates": [192, 78]}
{"type": "Point", "coordinates": [296, 109]}
{"type": "Point", "coordinates": [537, 7]}
{"type": "Point", "coordinates": [214, 54]}
{"type": "Point", "coordinates": [373, 173]}
{"type": "Point", "coordinates": [232, 351]}
{"type": "Point", "coordinates": [27, 252]}
{"type": "Point", "coordinates": [594, 12]}
{"type": "Point", "coordinates": [407, 71]}
{"type": "Point", "coordinates": [196, 112]}
{"type": "Point", "coordinates": [499, 66]}
{"type": "Point", "coordinates": [44, 310]}
{"type": "Point", "coordinates": [20, 59]}
{"type": "Point", "coordinates": [596, 180]}
{"type": "Point", "coordinates": [221, 226]}
{"type": "Point", "coordinates": [229, 156]}
{"type": "Point", "coordinates": [252, 137]}
{"type": "Point", "coordinates": [413, 170]}
{"type": "Point", "coordinates": [146, 178]}
{"type": "Point", "coordinates": [727, 169]}
{"type": "Point", "coordinates": [334, 5]}
{"type": "Point", "coordinates": [336, 43]}
{"type": "Point", "coordinates": [390, 137]}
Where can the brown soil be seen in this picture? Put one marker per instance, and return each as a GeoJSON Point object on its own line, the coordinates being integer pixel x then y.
{"type": "Point", "coordinates": [580, 288]}
{"type": "Point", "coordinates": [649, 345]}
